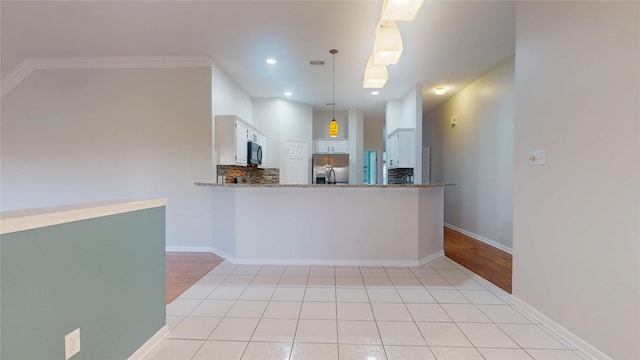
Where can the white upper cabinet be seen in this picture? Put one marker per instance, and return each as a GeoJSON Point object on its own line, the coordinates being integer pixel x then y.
{"type": "Point", "coordinates": [232, 135]}
{"type": "Point", "coordinates": [328, 146]}
{"type": "Point", "coordinates": [401, 146]}
{"type": "Point", "coordinates": [241, 133]}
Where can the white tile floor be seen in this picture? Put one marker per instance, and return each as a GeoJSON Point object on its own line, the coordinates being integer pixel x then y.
{"type": "Point", "coordinates": [437, 311]}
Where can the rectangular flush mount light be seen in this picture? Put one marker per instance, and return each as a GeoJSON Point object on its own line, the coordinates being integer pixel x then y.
{"type": "Point", "coordinates": [401, 10]}
{"type": "Point", "coordinates": [388, 44]}
{"type": "Point", "coordinates": [375, 76]}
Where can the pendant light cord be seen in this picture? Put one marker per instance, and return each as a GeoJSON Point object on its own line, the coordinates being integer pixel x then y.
{"type": "Point", "coordinates": [333, 77]}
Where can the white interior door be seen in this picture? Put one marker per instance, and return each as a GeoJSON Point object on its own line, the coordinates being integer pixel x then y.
{"type": "Point", "coordinates": [296, 163]}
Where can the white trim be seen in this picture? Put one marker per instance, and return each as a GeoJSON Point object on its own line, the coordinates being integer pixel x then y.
{"type": "Point", "coordinates": [199, 249]}
{"type": "Point", "coordinates": [326, 262]}
{"type": "Point", "coordinates": [431, 257]}
{"type": "Point", "coordinates": [559, 330]}
{"type": "Point", "coordinates": [222, 254]}
{"type": "Point", "coordinates": [15, 77]}
{"type": "Point", "coordinates": [150, 344]}
{"type": "Point", "coordinates": [20, 72]}
{"type": "Point", "coordinates": [481, 238]}
{"type": "Point", "coordinates": [20, 220]}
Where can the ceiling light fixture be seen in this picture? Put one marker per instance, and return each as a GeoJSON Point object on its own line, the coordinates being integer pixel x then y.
{"type": "Point", "coordinates": [375, 93]}
{"type": "Point", "coordinates": [375, 76]}
{"type": "Point", "coordinates": [440, 90]}
{"type": "Point", "coordinates": [288, 93]}
{"type": "Point", "coordinates": [271, 61]}
{"type": "Point", "coordinates": [333, 125]}
{"type": "Point", "coordinates": [401, 10]}
{"type": "Point", "coordinates": [387, 47]}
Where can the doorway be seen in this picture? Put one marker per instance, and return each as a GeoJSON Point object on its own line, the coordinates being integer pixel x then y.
{"type": "Point", "coordinates": [370, 167]}
{"type": "Point", "coordinates": [296, 163]}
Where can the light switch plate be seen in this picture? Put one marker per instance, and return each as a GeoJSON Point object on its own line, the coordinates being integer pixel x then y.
{"type": "Point", "coordinates": [537, 157]}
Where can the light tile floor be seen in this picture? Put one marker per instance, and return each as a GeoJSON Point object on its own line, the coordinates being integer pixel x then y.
{"type": "Point", "coordinates": [437, 311]}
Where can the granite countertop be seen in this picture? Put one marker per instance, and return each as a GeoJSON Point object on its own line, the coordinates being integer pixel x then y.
{"type": "Point", "coordinates": [340, 186]}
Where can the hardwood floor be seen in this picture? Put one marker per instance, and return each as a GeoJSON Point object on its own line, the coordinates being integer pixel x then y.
{"type": "Point", "coordinates": [483, 259]}
{"type": "Point", "coordinates": [183, 269]}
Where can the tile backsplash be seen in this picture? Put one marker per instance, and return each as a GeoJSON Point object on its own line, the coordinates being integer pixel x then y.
{"type": "Point", "coordinates": [400, 176]}
{"type": "Point", "coordinates": [253, 175]}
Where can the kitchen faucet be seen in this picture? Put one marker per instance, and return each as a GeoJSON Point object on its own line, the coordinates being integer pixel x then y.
{"type": "Point", "coordinates": [330, 171]}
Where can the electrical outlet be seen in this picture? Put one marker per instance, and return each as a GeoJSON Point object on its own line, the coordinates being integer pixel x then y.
{"type": "Point", "coordinates": [356, 239]}
{"type": "Point", "coordinates": [71, 344]}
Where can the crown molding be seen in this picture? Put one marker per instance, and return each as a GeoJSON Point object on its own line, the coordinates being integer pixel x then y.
{"type": "Point", "coordinates": [20, 72]}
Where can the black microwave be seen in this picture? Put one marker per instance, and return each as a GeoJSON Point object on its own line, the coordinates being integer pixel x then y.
{"type": "Point", "coordinates": [254, 153]}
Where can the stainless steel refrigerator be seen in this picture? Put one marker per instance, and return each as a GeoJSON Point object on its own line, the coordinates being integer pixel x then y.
{"type": "Point", "coordinates": [320, 168]}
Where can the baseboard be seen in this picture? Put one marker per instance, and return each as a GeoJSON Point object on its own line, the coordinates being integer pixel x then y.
{"type": "Point", "coordinates": [223, 255]}
{"type": "Point", "coordinates": [326, 262]}
{"type": "Point", "coordinates": [431, 257]}
{"type": "Point", "coordinates": [481, 238]}
{"type": "Point", "coordinates": [323, 262]}
{"type": "Point", "coordinates": [559, 330]}
{"type": "Point", "coordinates": [146, 348]}
{"type": "Point", "coordinates": [188, 249]}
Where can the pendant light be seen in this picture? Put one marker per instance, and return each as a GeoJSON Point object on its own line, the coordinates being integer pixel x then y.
{"type": "Point", "coordinates": [387, 47]}
{"type": "Point", "coordinates": [333, 125]}
{"type": "Point", "coordinates": [401, 10]}
{"type": "Point", "coordinates": [375, 76]}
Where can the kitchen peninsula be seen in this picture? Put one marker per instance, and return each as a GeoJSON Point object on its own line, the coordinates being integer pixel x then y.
{"type": "Point", "coordinates": [369, 225]}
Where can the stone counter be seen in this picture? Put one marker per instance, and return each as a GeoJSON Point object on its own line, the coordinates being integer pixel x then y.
{"type": "Point", "coordinates": [337, 186]}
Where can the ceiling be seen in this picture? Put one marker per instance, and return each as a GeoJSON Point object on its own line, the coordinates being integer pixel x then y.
{"type": "Point", "coordinates": [450, 43]}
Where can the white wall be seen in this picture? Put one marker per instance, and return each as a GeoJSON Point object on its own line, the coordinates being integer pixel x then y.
{"type": "Point", "coordinates": [576, 219]}
{"type": "Point", "coordinates": [228, 98]}
{"type": "Point", "coordinates": [73, 136]}
{"type": "Point", "coordinates": [394, 118]}
{"type": "Point", "coordinates": [373, 139]}
{"type": "Point", "coordinates": [321, 120]}
{"type": "Point", "coordinates": [406, 113]}
{"type": "Point", "coordinates": [477, 155]}
{"type": "Point", "coordinates": [356, 149]}
{"type": "Point", "coordinates": [267, 120]}
{"type": "Point", "coordinates": [281, 120]}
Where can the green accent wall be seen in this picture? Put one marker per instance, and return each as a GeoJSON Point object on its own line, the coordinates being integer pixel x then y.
{"type": "Point", "coordinates": [105, 276]}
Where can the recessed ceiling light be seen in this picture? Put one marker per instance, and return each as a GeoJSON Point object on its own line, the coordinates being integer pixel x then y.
{"type": "Point", "coordinates": [440, 91]}
{"type": "Point", "coordinates": [271, 61]}
{"type": "Point", "coordinates": [288, 93]}
{"type": "Point", "coordinates": [375, 93]}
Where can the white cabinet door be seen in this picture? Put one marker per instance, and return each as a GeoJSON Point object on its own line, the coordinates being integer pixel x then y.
{"type": "Point", "coordinates": [322, 146]}
{"type": "Point", "coordinates": [252, 135]}
{"type": "Point", "coordinates": [331, 146]}
{"type": "Point", "coordinates": [392, 151]}
{"type": "Point", "coordinates": [241, 143]}
{"type": "Point", "coordinates": [401, 145]}
{"type": "Point", "coordinates": [340, 146]}
{"type": "Point", "coordinates": [406, 149]}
